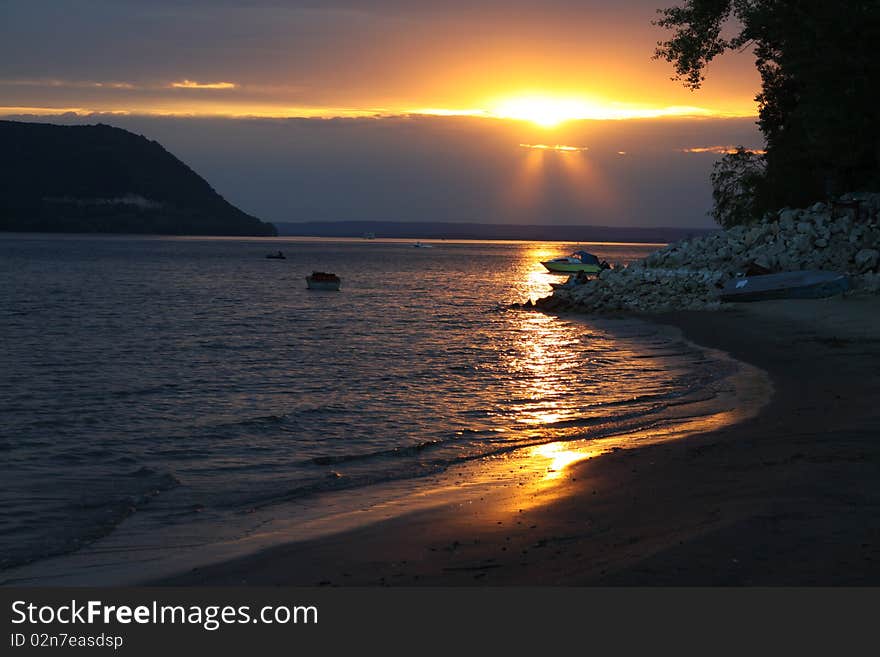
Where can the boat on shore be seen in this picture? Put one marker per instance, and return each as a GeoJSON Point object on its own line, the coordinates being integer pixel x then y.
{"type": "Point", "coordinates": [572, 281]}
{"type": "Point", "coordinates": [785, 285]}
{"type": "Point", "coordinates": [320, 280]}
{"type": "Point", "coordinates": [579, 261]}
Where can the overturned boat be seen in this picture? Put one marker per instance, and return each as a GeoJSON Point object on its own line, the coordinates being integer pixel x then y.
{"type": "Point", "coordinates": [785, 285]}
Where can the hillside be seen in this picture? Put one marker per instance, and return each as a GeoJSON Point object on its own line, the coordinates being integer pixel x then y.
{"type": "Point", "coordinates": [101, 179]}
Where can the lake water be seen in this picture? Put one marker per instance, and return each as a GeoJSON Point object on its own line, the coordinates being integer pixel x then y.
{"type": "Point", "coordinates": [163, 382]}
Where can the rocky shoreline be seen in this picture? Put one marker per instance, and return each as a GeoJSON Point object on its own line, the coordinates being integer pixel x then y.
{"type": "Point", "coordinates": [843, 236]}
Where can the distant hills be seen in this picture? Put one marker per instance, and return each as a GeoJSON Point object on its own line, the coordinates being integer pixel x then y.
{"type": "Point", "coordinates": [101, 179]}
{"type": "Point", "coordinates": [462, 231]}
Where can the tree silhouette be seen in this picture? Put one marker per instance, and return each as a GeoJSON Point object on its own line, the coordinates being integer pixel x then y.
{"type": "Point", "coordinates": [819, 104]}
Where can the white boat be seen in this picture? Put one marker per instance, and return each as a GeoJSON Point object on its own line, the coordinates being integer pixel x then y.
{"type": "Point", "coordinates": [577, 261]}
{"type": "Point", "coordinates": [319, 280]}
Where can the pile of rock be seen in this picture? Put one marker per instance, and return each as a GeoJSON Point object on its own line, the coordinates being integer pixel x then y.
{"type": "Point", "coordinates": [843, 236]}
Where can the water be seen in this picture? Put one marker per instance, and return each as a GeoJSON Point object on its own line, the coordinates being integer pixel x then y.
{"type": "Point", "coordinates": [183, 380]}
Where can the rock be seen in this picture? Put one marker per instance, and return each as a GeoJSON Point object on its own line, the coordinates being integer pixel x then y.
{"type": "Point", "coordinates": [802, 243]}
{"type": "Point", "coordinates": [869, 283]}
{"type": "Point", "coordinates": [786, 220]}
{"type": "Point", "coordinates": [866, 259]}
{"type": "Point", "coordinates": [805, 228]}
{"type": "Point", "coordinates": [689, 273]}
{"type": "Point", "coordinates": [754, 235]}
{"type": "Point", "coordinates": [764, 261]}
{"type": "Point", "coordinates": [788, 215]}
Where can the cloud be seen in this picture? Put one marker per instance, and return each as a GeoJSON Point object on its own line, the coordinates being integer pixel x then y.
{"type": "Point", "coordinates": [18, 112]}
{"type": "Point", "coordinates": [720, 150]}
{"type": "Point", "coordinates": [67, 84]}
{"type": "Point", "coordinates": [193, 84]}
{"type": "Point", "coordinates": [562, 148]}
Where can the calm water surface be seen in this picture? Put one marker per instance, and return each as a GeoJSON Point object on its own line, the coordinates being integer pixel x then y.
{"type": "Point", "coordinates": [176, 378]}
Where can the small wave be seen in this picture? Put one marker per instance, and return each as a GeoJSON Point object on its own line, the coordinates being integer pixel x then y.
{"type": "Point", "coordinates": [72, 521]}
{"type": "Point", "coordinates": [151, 390]}
{"type": "Point", "coordinates": [395, 451]}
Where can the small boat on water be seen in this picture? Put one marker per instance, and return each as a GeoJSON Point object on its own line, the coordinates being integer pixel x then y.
{"type": "Point", "coordinates": [276, 256]}
{"type": "Point", "coordinates": [785, 285]}
{"type": "Point", "coordinates": [319, 280]}
{"type": "Point", "coordinates": [577, 261]}
{"type": "Point", "coordinates": [419, 245]}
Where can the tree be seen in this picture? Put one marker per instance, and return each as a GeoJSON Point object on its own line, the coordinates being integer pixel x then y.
{"type": "Point", "coordinates": [819, 104]}
{"type": "Point", "coordinates": [735, 179]}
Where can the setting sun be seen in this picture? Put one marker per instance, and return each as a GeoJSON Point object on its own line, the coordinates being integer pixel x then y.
{"type": "Point", "coordinates": [550, 111]}
{"type": "Point", "coordinates": [543, 111]}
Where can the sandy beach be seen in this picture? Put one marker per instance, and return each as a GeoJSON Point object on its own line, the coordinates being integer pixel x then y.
{"type": "Point", "coordinates": [789, 497]}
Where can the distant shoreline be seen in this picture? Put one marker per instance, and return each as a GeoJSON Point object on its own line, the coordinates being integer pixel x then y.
{"type": "Point", "coordinates": [486, 231]}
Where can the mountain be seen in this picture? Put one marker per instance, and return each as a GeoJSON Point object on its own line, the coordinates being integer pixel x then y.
{"type": "Point", "coordinates": [101, 179]}
{"type": "Point", "coordinates": [475, 231]}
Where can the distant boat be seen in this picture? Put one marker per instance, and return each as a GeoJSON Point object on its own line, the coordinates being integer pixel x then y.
{"type": "Point", "coordinates": [369, 236]}
{"type": "Point", "coordinates": [419, 245]}
{"type": "Point", "coordinates": [577, 261]}
{"type": "Point", "coordinates": [276, 256]}
{"type": "Point", "coordinates": [785, 285]}
{"type": "Point", "coordinates": [319, 280]}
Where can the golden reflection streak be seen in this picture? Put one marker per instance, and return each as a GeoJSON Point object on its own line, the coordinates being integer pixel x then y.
{"type": "Point", "coordinates": [534, 276]}
{"type": "Point", "coordinates": [545, 356]}
{"type": "Point", "coordinates": [560, 456]}
{"type": "Point", "coordinates": [546, 466]}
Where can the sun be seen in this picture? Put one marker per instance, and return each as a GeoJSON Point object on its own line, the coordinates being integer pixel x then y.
{"type": "Point", "coordinates": [544, 111]}
{"type": "Point", "coordinates": [551, 111]}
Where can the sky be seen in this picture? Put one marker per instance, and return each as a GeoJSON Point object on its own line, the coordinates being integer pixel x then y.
{"type": "Point", "coordinates": [391, 109]}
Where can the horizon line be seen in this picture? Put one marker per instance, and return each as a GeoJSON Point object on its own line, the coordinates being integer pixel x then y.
{"type": "Point", "coordinates": [335, 114]}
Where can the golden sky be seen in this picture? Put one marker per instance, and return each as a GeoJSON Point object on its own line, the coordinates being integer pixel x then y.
{"type": "Point", "coordinates": [542, 62]}
{"type": "Point", "coordinates": [505, 87]}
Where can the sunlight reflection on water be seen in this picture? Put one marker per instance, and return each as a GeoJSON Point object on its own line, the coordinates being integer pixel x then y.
{"type": "Point", "coordinates": [178, 381]}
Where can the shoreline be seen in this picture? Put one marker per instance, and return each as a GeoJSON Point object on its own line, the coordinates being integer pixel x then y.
{"type": "Point", "coordinates": [506, 481]}
{"type": "Point", "coordinates": [787, 497]}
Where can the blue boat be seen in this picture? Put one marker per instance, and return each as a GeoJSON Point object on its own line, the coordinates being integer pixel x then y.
{"type": "Point", "coordinates": [785, 285]}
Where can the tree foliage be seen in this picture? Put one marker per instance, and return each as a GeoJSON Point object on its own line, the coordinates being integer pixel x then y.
{"type": "Point", "coordinates": [819, 104]}
{"type": "Point", "coordinates": [735, 179]}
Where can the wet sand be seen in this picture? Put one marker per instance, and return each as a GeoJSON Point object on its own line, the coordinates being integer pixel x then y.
{"type": "Point", "coordinates": [789, 497]}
